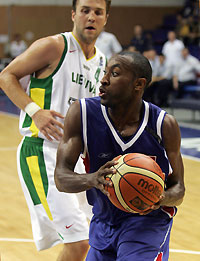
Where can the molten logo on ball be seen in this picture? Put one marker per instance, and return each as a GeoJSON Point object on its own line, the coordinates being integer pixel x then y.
{"type": "Point", "coordinates": [139, 203]}
{"type": "Point", "coordinates": [150, 187]}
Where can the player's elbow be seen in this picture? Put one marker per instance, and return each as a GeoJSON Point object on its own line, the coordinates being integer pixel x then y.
{"type": "Point", "coordinates": [2, 79]}
{"type": "Point", "coordinates": [179, 202]}
{"type": "Point", "coordinates": [62, 180]}
{"type": "Point", "coordinates": [181, 195]}
{"type": "Point", "coordinates": [58, 180]}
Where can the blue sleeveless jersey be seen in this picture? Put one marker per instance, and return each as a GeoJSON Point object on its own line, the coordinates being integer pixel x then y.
{"type": "Point", "coordinates": [102, 143]}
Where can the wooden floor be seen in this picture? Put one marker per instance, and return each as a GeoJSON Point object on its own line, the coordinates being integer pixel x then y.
{"type": "Point", "coordinates": [15, 229]}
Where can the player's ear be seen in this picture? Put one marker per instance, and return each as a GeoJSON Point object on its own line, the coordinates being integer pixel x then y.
{"type": "Point", "coordinates": [73, 14]}
{"type": "Point", "coordinates": [140, 84]}
{"type": "Point", "coordinates": [106, 19]}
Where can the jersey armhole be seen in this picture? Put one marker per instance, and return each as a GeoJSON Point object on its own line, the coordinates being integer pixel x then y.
{"type": "Point", "coordinates": [159, 123]}
{"type": "Point", "coordinates": [63, 55]}
{"type": "Point", "coordinates": [83, 127]}
{"type": "Point", "coordinates": [32, 76]}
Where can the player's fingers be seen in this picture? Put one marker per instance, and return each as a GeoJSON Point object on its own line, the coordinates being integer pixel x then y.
{"type": "Point", "coordinates": [109, 164]}
{"type": "Point", "coordinates": [57, 123]}
{"type": "Point", "coordinates": [145, 212]}
{"type": "Point", "coordinates": [105, 192]}
{"type": "Point", "coordinates": [52, 131]}
{"type": "Point", "coordinates": [57, 114]}
{"type": "Point", "coordinates": [105, 182]}
{"type": "Point", "coordinates": [104, 172]}
{"type": "Point", "coordinates": [56, 131]}
{"type": "Point", "coordinates": [45, 133]}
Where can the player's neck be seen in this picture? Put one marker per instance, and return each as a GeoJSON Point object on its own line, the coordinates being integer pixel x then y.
{"type": "Point", "coordinates": [124, 116]}
{"type": "Point", "coordinates": [87, 48]}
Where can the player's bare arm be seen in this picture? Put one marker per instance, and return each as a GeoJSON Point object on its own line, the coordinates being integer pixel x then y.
{"type": "Point", "coordinates": [175, 191]}
{"type": "Point", "coordinates": [68, 153]}
{"type": "Point", "coordinates": [173, 195]}
{"type": "Point", "coordinates": [41, 58]}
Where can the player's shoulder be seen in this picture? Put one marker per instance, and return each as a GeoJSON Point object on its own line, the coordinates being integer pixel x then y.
{"type": "Point", "coordinates": [74, 109]}
{"type": "Point", "coordinates": [75, 106]}
{"type": "Point", "coordinates": [95, 100]}
{"type": "Point", "coordinates": [91, 103]}
{"type": "Point", "coordinates": [170, 122]}
{"type": "Point", "coordinates": [53, 43]}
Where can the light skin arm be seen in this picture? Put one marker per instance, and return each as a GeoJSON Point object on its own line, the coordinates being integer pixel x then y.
{"type": "Point", "coordinates": [175, 188]}
{"type": "Point", "coordinates": [69, 149]}
{"type": "Point", "coordinates": [41, 57]}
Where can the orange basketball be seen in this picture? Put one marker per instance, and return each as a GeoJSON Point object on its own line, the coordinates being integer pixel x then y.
{"type": "Point", "coordinates": [138, 183]}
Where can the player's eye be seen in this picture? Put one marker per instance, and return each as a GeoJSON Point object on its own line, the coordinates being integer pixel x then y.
{"type": "Point", "coordinates": [115, 74]}
{"type": "Point", "coordinates": [99, 12]}
{"type": "Point", "coordinates": [85, 10]}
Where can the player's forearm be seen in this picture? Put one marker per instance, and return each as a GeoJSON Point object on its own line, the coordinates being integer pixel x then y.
{"type": "Point", "coordinates": [174, 195]}
{"type": "Point", "coordinates": [12, 88]}
{"type": "Point", "coordinates": [71, 182]}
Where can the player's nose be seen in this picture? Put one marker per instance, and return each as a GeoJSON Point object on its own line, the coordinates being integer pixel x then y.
{"type": "Point", "coordinates": [105, 80]}
{"type": "Point", "coordinates": [91, 17]}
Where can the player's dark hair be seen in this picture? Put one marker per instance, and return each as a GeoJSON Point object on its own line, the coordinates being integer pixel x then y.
{"type": "Point", "coordinates": [108, 3]}
{"type": "Point", "coordinates": [140, 66]}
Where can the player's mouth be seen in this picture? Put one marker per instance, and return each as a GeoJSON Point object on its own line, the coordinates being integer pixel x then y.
{"type": "Point", "coordinates": [90, 28]}
{"type": "Point", "coordinates": [102, 92]}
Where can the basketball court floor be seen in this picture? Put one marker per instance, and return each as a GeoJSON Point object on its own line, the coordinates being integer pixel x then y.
{"type": "Point", "coordinates": [16, 242]}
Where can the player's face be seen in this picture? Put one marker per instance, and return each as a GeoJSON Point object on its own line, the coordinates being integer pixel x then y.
{"type": "Point", "coordinates": [118, 82]}
{"type": "Point", "coordinates": [89, 19]}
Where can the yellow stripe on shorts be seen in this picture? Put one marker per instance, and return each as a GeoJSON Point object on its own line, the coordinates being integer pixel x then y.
{"type": "Point", "coordinates": [33, 165]}
{"type": "Point", "coordinates": [38, 96]}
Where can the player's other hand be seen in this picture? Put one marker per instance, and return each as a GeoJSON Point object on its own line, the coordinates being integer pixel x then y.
{"type": "Point", "coordinates": [45, 121]}
{"type": "Point", "coordinates": [155, 206]}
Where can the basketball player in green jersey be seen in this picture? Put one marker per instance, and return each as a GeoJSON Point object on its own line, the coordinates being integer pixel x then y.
{"type": "Point", "coordinates": [63, 68]}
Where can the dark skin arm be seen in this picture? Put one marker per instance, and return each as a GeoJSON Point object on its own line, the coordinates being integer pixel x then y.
{"type": "Point", "coordinates": [175, 182]}
{"type": "Point", "coordinates": [174, 194]}
{"type": "Point", "coordinates": [69, 149]}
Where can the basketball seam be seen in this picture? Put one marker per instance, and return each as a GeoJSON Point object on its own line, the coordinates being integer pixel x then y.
{"type": "Point", "coordinates": [159, 177]}
{"type": "Point", "coordinates": [143, 168]}
{"type": "Point", "coordinates": [141, 174]}
{"type": "Point", "coordinates": [134, 188]}
{"type": "Point", "coordinates": [123, 202]}
{"type": "Point", "coordinates": [118, 199]}
{"type": "Point", "coordinates": [138, 167]}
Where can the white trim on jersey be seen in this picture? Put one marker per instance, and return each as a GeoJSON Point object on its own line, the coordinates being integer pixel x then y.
{"type": "Point", "coordinates": [123, 145]}
{"type": "Point", "coordinates": [159, 127]}
{"type": "Point", "coordinates": [84, 121]}
{"type": "Point", "coordinates": [159, 123]}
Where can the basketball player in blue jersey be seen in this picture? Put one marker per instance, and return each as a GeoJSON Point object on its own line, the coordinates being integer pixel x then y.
{"type": "Point", "coordinates": [116, 123]}
{"type": "Point", "coordinates": [63, 68]}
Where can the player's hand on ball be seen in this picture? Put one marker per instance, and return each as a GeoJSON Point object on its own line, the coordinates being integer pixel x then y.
{"type": "Point", "coordinates": [99, 178]}
{"type": "Point", "coordinates": [155, 206]}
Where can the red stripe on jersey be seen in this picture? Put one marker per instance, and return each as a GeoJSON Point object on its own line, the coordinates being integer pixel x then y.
{"type": "Point", "coordinates": [159, 257]}
{"type": "Point", "coordinates": [171, 211]}
{"type": "Point", "coordinates": [86, 162]}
